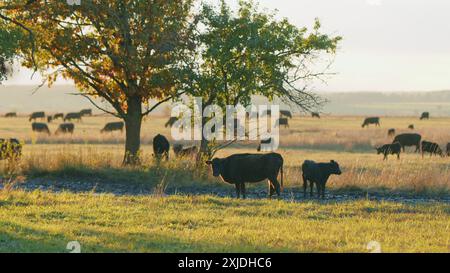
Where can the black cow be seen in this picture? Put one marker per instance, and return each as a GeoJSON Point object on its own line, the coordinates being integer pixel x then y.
{"type": "Point", "coordinates": [286, 113]}
{"type": "Point", "coordinates": [318, 173]}
{"type": "Point", "coordinates": [411, 126]}
{"type": "Point", "coordinates": [239, 169]}
{"type": "Point", "coordinates": [432, 148]}
{"type": "Point", "coordinates": [36, 115]}
{"type": "Point", "coordinates": [11, 115]}
{"type": "Point", "coordinates": [408, 140]}
{"type": "Point", "coordinates": [161, 147]}
{"type": "Point", "coordinates": [425, 115]}
{"type": "Point", "coordinates": [171, 122]}
{"type": "Point", "coordinates": [58, 116]}
{"type": "Point", "coordinates": [448, 149]}
{"type": "Point", "coordinates": [86, 112]}
{"type": "Point", "coordinates": [315, 115]}
{"type": "Point", "coordinates": [181, 151]}
{"type": "Point", "coordinates": [394, 148]}
{"type": "Point", "coordinates": [113, 126]}
{"type": "Point", "coordinates": [40, 127]}
{"type": "Point", "coordinates": [391, 132]}
{"type": "Point", "coordinates": [10, 149]}
{"type": "Point", "coordinates": [371, 120]}
{"type": "Point", "coordinates": [73, 116]}
{"type": "Point", "coordinates": [283, 121]}
{"type": "Point", "coordinates": [65, 128]}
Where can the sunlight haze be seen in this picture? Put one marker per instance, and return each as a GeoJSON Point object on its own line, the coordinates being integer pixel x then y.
{"type": "Point", "coordinates": [395, 45]}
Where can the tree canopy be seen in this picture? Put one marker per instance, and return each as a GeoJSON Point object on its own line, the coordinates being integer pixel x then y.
{"type": "Point", "coordinates": [124, 52]}
{"type": "Point", "coordinates": [248, 52]}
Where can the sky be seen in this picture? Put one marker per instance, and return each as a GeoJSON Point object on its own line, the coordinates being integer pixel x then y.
{"type": "Point", "coordinates": [388, 45]}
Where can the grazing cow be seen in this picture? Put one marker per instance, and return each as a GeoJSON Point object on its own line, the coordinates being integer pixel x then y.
{"type": "Point", "coordinates": [283, 121]}
{"type": "Point", "coordinates": [315, 115]}
{"type": "Point", "coordinates": [161, 147]}
{"type": "Point", "coordinates": [264, 141]}
{"type": "Point", "coordinates": [432, 148]}
{"type": "Point", "coordinates": [10, 149]}
{"type": "Point", "coordinates": [58, 116]}
{"type": "Point", "coordinates": [86, 112]}
{"type": "Point", "coordinates": [49, 119]}
{"type": "Point", "coordinates": [448, 149]}
{"type": "Point", "coordinates": [11, 115]}
{"type": "Point", "coordinates": [394, 148]}
{"type": "Point", "coordinates": [408, 140]}
{"type": "Point", "coordinates": [318, 173]}
{"type": "Point", "coordinates": [72, 116]}
{"type": "Point", "coordinates": [239, 169]}
{"type": "Point", "coordinates": [371, 120]}
{"type": "Point", "coordinates": [411, 126]}
{"type": "Point", "coordinates": [36, 115]}
{"type": "Point", "coordinates": [113, 126]}
{"type": "Point", "coordinates": [425, 115]}
{"type": "Point", "coordinates": [181, 151]}
{"type": "Point", "coordinates": [65, 128]}
{"type": "Point", "coordinates": [171, 122]}
{"type": "Point", "coordinates": [286, 113]}
{"type": "Point", "coordinates": [391, 132]}
{"type": "Point", "coordinates": [40, 127]}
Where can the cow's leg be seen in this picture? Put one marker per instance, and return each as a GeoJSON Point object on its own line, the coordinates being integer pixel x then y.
{"type": "Point", "coordinates": [323, 190]}
{"type": "Point", "coordinates": [385, 156]}
{"type": "Point", "coordinates": [398, 156]}
{"type": "Point", "coordinates": [243, 190]}
{"type": "Point", "coordinates": [319, 189]}
{"type": "Point", "coordinates": [271, 188]}
{"type": "Point", "coordinates": [305, 184]}
{"type": "Point", "coordinates": [276, 185]}
{"type": "Point", "coordinates": [238, 190]}
{"type": "Point", "coordinates": [311, 186]}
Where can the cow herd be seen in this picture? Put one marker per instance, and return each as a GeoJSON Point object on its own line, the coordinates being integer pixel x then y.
{"type": "Point", "coordinates": [239, 169]}
{"type": "Point", "coordinates": [407, 140]}
{"type": "Point", "coordinates": [66, 126]}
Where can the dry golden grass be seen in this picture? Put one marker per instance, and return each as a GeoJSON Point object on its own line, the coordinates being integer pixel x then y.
{"type": "Point", "coordinates": [89, 154]}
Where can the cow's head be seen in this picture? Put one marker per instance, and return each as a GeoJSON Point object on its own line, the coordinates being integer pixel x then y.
{"type": "Point", "coordinates": [335, 168]}
{"type": "Point", "coordinates": [379, 150]}
{"type": "Point", "coordinates": [216, 165]}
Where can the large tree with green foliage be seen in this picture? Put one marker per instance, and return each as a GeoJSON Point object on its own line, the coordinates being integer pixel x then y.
{"type": "Point", "coordinates": [9, 43]}
{"type": "Point", "coordinates": [248, 52]}
{"type": "Point", "coordinates": [123, 51]}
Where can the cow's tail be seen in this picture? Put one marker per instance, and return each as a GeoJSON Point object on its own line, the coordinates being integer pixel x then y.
{"type": "Point", "coordinates": [282, 186]}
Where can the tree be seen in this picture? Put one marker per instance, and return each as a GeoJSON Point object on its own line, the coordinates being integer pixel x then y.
{"type": "Point", "coordinates": [238, 55]}
{"type": "Point", "coordinates": [9, 43]}
{"type": "Point", "coordinates": [123, 51]}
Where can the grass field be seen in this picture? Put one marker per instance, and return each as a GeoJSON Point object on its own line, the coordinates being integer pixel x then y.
{"type": "Point", "coordinates": [45, 221]}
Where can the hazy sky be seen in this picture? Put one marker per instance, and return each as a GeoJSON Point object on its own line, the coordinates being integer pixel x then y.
{"type": "Point", "coordinates": [389, 45]}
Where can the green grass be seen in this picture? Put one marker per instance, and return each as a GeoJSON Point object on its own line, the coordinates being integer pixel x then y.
{"type": "Point", "coordinates": [46, 222]}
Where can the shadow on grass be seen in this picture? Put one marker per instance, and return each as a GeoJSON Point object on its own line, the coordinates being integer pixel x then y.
{"type": "Point", "coordinates": [15, 238]}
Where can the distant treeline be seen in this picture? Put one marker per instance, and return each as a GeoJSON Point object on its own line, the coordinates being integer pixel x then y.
{"type": "Point", "coordinates": [388, 103]}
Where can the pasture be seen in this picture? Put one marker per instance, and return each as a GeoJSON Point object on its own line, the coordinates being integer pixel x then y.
{"type": "Point", "coordinates": [73, 187]}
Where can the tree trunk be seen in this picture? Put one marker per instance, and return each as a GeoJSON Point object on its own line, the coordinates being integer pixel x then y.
{"type": "Point", "coordinates": [204, 149]}
{"type": "Point", "coordinates": [133, 122]}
